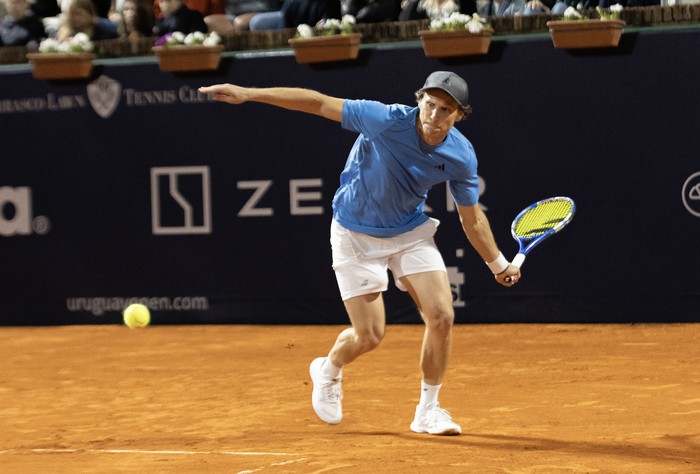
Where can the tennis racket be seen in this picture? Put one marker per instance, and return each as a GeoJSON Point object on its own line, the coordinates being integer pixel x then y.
{"type": "Point", "coordinates": [537, 222]}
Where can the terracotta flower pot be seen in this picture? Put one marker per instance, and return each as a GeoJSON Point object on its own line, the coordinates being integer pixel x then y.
{"type": "Point", "coordinates": [586, 33]}
{"type": "Point", "coordinates": [188, 58]}
{"type": "Point", "coordinates": [440, 44]}
{"type": "Point", "coordinates": [320, 49]}
{"type": "Point", "coordinates": [61, 65]}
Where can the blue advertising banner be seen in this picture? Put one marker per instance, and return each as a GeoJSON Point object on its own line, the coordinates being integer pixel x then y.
{"type": "Point", "coordinates": [132, 186]}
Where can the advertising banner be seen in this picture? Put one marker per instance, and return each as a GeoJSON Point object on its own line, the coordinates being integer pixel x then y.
{"type": "Point", "coordinates": [132, 186]}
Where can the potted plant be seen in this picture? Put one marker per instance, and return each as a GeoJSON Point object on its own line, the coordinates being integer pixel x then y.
{"type": "Point", "coordinates": [577, 31]}
{"type": "Point", "coordinates": [69, 59]}
{"type": "Point", "coordinates": [330, 40]}
{"type": "Point", "coordinates": [456, 35]}
{"type": "Point", "coordinates": [193, 52]}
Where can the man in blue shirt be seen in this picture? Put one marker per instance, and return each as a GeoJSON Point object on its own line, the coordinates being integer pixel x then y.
{"type": "Point", "coordinates": [379, 224]}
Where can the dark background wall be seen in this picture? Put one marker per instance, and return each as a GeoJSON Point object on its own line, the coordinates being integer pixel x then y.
{"type": "Point", "coordinates": [96, 176]}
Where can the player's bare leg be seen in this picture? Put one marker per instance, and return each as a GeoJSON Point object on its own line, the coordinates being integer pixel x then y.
{"type": "Point", "coordinates": [367, 316]}
{"type": "Point", "coordinates": [368, 320]}
{"type": "Point", "coordinates": [431, 292]}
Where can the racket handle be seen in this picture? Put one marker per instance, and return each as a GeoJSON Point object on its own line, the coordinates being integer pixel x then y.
{"type": "Point", "coordinates": [517, 262]}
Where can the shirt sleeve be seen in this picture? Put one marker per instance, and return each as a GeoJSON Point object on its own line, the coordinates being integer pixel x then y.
{"type": "Point", "coordinates": [370, 118]}
{"type": "Point", "coordinates": [465, 188]}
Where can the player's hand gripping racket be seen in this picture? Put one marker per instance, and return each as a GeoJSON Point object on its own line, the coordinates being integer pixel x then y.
{"type": "Point", "coordinates": [537, 222]}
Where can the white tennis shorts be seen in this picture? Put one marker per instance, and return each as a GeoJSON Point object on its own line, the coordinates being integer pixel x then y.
{"type": "Point", "coordinates": [361, 261]}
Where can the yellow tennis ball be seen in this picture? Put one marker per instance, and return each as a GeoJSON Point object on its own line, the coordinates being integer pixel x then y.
{"type": "Point", "coordinates": [137, 316]}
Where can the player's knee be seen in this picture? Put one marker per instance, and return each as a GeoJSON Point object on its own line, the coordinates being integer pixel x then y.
{"type": "Point", "coordinates": [369, 340]}
{"type": "Point", "coordinates": [440, 319]}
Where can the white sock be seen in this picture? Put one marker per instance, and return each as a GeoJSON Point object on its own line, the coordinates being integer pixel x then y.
{"type": "Point", "coordinates": [428, 395]}
{"type": "Point", "coordinates": [331, 371]}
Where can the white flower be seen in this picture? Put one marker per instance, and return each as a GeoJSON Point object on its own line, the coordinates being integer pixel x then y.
{"type": "Point", "coordinates": [304, 31]}
{"type": "Point", "coordinates": [198, 37]}
{"type": "Point", "coordinates": [330, 26]}
{"type": "Point", "coordinates": [212, 40]}
{"type": "Point", "coordinates": [49, 45]}
{"type": "Point", "coordinates": [192, 39]}
{"type": "Point", "coordinates": [459, 18]}
{"type": "Point", "coordinates": [81, 38]}
{"type": "Point", "coordinates": [572, 14]}
{"type": "Point", "coordinates": [438, 24]}
{"type": "Point", "coordinates": [475, 26]}
{"type": "Point", "coordinates": [459, 21]}
{"type": "Point", "coordinates": [178, 37]}
{"type": "Point", "coordinates": [613, 13]}
{"type": "Point", "coordinates": [80, 43]}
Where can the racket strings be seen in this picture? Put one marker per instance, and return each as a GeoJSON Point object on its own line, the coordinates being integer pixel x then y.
{"type": "Point", "coordinates": [543, 218]}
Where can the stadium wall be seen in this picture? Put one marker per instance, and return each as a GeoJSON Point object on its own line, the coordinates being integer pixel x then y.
{"type": "Point", "coordinates": [133, 186]}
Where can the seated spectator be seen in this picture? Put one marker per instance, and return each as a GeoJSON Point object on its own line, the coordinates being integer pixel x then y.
{"type": "Point", "coordinates": [134, 20]}
{"type": "Point", "coordinates": [46, 8]}
{"type": "Point", "coordinates": [502, 8]}
{"type": "Point", "coordinates": [561, 5]}
{"type": "Point", "coordinates": [371, 11]}
{"type": "Point", "coordinates": [422, 9]}
{"type": "Point", "coordinates": [239, 13]}
{"type": "Point", "coordinates": [296, 12]}
{"type": "Point", "coordinates": [20, 27]}
{"type": "Point", "coordinates": [538, 7]}
{"type": "Point", "coordinates": [81, 17]}
{"type": "Point", "coordinates": [177, 17]}
{"type": "Point", "coordinates": [205, 7]}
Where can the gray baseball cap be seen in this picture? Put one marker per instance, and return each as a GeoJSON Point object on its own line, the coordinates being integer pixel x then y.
{"type": "Point", "coordinates": [450, 83]}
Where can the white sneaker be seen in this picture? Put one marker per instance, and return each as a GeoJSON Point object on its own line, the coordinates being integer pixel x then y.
{"type": "Point", "coordinates": [434, 421]}
{"type": "Point", "coordinates": [326, 395]}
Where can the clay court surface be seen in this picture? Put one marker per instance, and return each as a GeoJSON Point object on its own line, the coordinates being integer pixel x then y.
{"type": "Point", "coordinates": [236, 399]}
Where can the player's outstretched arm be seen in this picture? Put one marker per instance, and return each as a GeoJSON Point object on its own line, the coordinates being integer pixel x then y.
{"type": "Point", "coordinates": [303, 100]}
{"type": "Point", "coordinates": [478, 230]}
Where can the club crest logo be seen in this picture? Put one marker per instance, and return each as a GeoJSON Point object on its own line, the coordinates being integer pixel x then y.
{"type": "Point", "coordinates": [691, 194]}
{"type": "Point", "coordinates": [104, 94]}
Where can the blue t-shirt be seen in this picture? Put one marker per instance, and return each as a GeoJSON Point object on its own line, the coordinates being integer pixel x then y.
{"type": "Point", "coordinates": [390, 170]}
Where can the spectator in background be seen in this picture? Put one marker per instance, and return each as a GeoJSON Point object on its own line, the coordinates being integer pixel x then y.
{"type": "Point", "coordinates": [178, 17]}
{"type": "Point", "coordinates": [562, 5]}
{"type": "Point", "coordinates": [433, 9]}
{"type": "Point", "coordinates": [296, 12]}
{"type": "Point", "coordinates": [371, 11]}
{"type": "Point", "coordinates": [205, 7]}
{"type": "Point", "coordinates": [20, 27]}
{"type": "Point", "coordinates": [81, 17]}
{"type": "Point", "coordinates": [46, 8]}
{"type": "Point", "coordinates": [134, 20]}
{"type": "Point", "coordinates": [239, 13]}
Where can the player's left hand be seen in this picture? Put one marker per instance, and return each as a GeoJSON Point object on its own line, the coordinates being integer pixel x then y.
{"type": "Point", "coordinates": [226, 93]}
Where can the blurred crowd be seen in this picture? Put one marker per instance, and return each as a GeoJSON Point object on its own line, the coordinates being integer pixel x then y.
{"type": "Point", "coordinates": [27, 22]}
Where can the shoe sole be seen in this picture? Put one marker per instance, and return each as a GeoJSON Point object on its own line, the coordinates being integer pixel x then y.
{"type": "Point", "coordinates": [449, 432]}
{"type": "Point", "coordinates": [443, 433]}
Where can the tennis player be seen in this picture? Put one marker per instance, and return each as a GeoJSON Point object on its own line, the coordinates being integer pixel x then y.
{"type": "Point", "coordinates": [379, 223]}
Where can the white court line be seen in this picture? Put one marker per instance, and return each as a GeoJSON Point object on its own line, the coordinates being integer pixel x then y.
{"type": "Point", "coordinates": [139, 451]}
{"type": "Point", "coordinates": [274, 464]}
